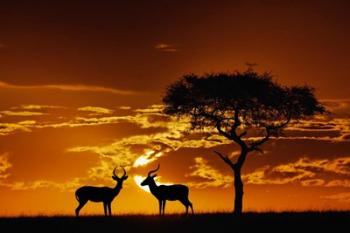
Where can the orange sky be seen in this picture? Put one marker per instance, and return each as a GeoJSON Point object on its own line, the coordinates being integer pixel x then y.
{"type": "Point", "coordinates": [81, 86]}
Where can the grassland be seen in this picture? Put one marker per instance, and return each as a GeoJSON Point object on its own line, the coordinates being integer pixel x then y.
{"type": "Point", "coordinates": [219, 222]}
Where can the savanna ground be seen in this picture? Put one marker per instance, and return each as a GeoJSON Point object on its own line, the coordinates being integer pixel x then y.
{"type": "Point", "coordinates": [213, 222]}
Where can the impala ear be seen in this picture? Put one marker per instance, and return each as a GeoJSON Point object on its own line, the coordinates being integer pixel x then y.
{"type": "Point", "coordinates": [125, 177]}
{"type": "Point", "coordinates": [154, 175]}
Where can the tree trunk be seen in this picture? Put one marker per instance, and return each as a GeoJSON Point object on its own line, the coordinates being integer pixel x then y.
{"type": "Point", "coordinates": [237, 181]}
{"type": "Point", "coordinates": [238, 185]}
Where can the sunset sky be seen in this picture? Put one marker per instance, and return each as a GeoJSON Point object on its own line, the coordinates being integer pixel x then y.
{"type": "Point", "coordinates": [81, 84]}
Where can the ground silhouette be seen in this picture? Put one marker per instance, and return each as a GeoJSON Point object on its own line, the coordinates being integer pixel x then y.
{"type": "Point", "coordinates": [215, 222]}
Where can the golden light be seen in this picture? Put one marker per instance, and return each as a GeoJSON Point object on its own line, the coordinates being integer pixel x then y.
{"type": "Point", "coordinates": [145, 159]}
{"type": "Point", "coordinates": [138, 180]}
{"type": "Point", "coordinates": [141, 161]}
{"type": "Point", "coordinates": [159, 154]}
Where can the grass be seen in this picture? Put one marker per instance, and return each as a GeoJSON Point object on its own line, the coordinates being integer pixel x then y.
{"type": "Point", "coordinates": [213, 222]}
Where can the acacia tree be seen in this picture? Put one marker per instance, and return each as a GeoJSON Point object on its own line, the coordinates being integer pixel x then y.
{"type": "Point", "coordinates": [238, 105]}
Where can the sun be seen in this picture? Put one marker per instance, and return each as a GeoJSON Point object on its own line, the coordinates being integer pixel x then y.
{"type": "Point", "coordinates": [138, 180]}
{"type": "Point", "coordinates": [144, 159]}
{"type": "Point", "coordinates": [141, 161]}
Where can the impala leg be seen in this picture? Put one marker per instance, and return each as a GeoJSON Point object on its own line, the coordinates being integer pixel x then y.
{"type": "Point", "coordinates": [81, 205]}
{"type": "Point", "coordinates": [164, 207]}
{"type": "Point", "coordinates": [109, 209]}
{"type": "Point", "coordinates": [105, 208]}
{"type": "Point", "coordinates": [190, 204]}
{"type": "Point", "coordinates": [160, 206]}
{"type": "Point", "coordinates": [186, 203]}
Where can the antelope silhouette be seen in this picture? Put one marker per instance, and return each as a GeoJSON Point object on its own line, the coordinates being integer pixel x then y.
{"type": "Point", "coordinates": [167, 192]}
{"type": "Point", "coordinates": [100, 194]}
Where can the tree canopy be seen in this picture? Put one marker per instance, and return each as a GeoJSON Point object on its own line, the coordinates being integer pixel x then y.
{"type": "Point", "coordinates": [237, 102]}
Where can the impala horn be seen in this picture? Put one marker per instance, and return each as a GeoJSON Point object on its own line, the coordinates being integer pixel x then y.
{"type": "Point", "coordinates": [114, 172]}
{"type": "Point", "coordinates": [152, 171]}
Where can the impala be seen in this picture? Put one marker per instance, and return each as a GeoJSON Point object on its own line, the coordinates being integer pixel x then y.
{"type": "Point", "coordinates": [167, 192]}
{"type": "Point", "coordinates": [100, 194]}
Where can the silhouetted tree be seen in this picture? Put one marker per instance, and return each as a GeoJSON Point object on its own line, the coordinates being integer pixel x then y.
{"type": "Point", "coordinates": [238, 104]}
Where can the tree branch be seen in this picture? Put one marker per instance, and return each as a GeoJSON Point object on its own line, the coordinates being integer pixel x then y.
{"type": "Point", "coordinates": [255, 145]}
{"type": "Point", "coordinates": [232, 135]}
{"type": "Point", "coordinates": [226, 159]}
{"type": "Point", "coordinates": [242, 134]}
{"type": "Point", "coordinates": [221, 131]}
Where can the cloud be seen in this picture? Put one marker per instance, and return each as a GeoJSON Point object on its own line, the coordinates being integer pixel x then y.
{"type": "Point", "coordinates": [140, 150]}
{"type": "Point", "coordinates": [312, 182]}
{"type": "Point", "coordinates": [339, 183]}
{"type": "Point", "coordinates": [37, 107]}
{"type": "Point", "coordinates": [175, 134]}
{"type": "Point", "coordinates": [323, 129]}
{"type": "Point", "coordinates": [21, 113]}
{"type": "Point", "coordinates": [340, 107]}
{"type": "Point", "coordinates": [147, 119]}
{"type": "Point", "coordinates": [28, 110]}
{"type": "Point", "coordinates": [341, 197]}
{"type": "Point", "coordinates": [124, 107]}
{"type": "Point", "coordinates": [155, 108]}
{"type": "Point", "coordinates": [66, 87]}
{"type": "Point", "coordinates": [83, 121]}
{"type": "Point", "coordinates": [8, 128]}
{"type": "Point", "coordinates": [126, 151]}
{"type": "Point", "coordinates": [305, 171]}
{"type": "Point", "coordinates": [96, 110]}
{"type": "Point", "coordinates": [68, 186]}
{"type": "Point", "coordinates": [164, 47]}
{"type": "Point", "coordinates": [281, 174]}
{"type": "Point", "coordinates": [211, 177]}
{"type": "Point", "coordinates": [122, 149]}
{"type": "Point", "coordinates": [339, 165]}
{"type": "Point", "coordinates": [4, 166]}
{"type": "Point", "coordinates": [102, 173]}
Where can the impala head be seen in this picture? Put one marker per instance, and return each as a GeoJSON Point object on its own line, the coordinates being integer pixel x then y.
{"type": "Point", "coordinates": [119, 179]}
{"type": "Point", "coordinates": [150, 177]}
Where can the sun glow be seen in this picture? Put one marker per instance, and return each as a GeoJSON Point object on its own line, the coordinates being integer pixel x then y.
{"type": "Point", "coordinates": [141, 161]}
{"type": "Point", "coordinates": [146, 158]}
{"type": "Point", "coordinates": [138, 180]}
